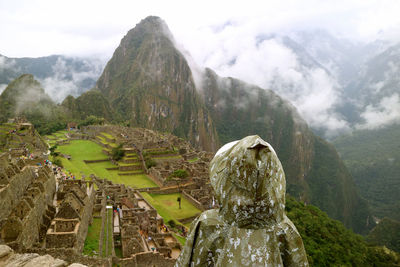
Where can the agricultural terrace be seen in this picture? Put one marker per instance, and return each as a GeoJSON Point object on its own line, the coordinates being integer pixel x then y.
{"type": "Point", "coordinates": [80, 150]}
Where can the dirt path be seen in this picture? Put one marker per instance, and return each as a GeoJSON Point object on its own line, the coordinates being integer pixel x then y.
{"type": "Point", "coordinates": [175, 253]}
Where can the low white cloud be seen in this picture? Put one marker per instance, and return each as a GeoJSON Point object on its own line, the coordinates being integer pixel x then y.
{"type": "Point", "coordinates": [7, 64]}
{"type": "Point", "coordinates": [2, 87]}
{"type": "Point", "coordinates": [68, 81]}
{"type": "Point", "coordinates": [271, 64]}
{"type": "Point", "coordinates": [386, 112]}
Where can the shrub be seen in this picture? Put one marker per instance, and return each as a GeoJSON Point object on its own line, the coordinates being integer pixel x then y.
{"type": "Point", "coordinates": [53, 151]}
{"type": "Point", "coordinates": [148, 160]}
{"type": "Point", "coordinates": [57, 162]}
{"type": "Point", "coordinates": [117, 153]}
{"type": "Point", "coordinates": [180, 173]}
{"type": "Point", "coordinates": [172, 223]}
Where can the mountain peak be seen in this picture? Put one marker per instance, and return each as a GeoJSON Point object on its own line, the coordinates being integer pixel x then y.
{"type": "Point", "coordinates": [151, 25]}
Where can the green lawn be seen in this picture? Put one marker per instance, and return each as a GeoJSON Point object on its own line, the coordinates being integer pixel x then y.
{"type": "Point", "coordinates": [135, 181]}
{"type": "Point", "coordinates": [60, 134]}
{"type": "Point", "coordinates": [80, 150]}
{"type": "Point", "coordinates": [92, 238]}
{"type": "Point", "coordinates": [169, 206]}
{"type": "Point", "coordinates": [87, 150]}
{"type": "Point", "coordinates": [128, 164]}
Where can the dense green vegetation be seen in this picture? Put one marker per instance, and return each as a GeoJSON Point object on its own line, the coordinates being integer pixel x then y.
{"type": "Point", "coordinates": [329, 243]}
{"type": "Point", "coordinates": [373, 158]}
{"type": "Point", "coordinates": [386, 233]}
{"type": "Point", "coordinates": [179, 173]}
{"type": "Point", "coordinates": [331, 188]}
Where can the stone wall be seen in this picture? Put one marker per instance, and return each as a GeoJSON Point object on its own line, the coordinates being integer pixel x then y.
{"type": "Point", "coordinates": [86, 218]}
{"type": "Point", "coordinates": [23, 228]}
{"type": "Point", "coordinates": [12, 191]}
{"type": "Point", "coordinates": [96, 161]}
{"type": "Point", "coordinates": [146, 259]}
{"type": "Point", "coordinates": [194, 202]}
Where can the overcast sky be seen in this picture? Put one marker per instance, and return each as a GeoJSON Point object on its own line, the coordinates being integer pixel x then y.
{"type": "Point", "coordinates": [74, 27]}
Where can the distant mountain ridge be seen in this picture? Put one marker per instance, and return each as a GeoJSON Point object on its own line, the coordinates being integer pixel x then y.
{"type": "Point", "coordinates": [26, 97]}
{"type": "Point", "coordinates": [148, 83]}
{"type": "Point", "coordinates": [59, 75]}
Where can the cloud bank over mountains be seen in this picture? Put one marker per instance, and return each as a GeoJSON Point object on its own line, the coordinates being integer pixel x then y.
{"type": "Point", "coordinates": [60, 76]}
{"type": "Point", "coordinates": [307, 51]}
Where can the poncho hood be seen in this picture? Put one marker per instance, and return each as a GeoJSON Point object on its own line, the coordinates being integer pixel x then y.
{"type": "Point", "coordinates": [249, 183]}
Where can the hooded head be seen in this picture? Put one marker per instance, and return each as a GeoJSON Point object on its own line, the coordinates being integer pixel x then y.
{"type": "Point", "coordinates": [249, 183]}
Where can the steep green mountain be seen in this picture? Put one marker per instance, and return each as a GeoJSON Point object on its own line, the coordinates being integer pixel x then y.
{"type": "Point", "coordinates": [25, 97]}
{"type": "Point", "coordinates": [373, 158]}
{"type": "Point", "coordinates": [315, 173]}
{"type": "Point", "coordinates": [90, 103]}
{"type": "Point", "coordinates": [329, 243]}
{"type": "Point", "coordinates": [386, 233]}
{"type": "Point", "coordinates": [150, 84]}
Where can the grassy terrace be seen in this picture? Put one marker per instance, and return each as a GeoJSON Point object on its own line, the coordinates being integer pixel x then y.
{"type": "Point", "coordinates": [109, 136]}
{"type": "Point", "coordinates": [91, 247]}
{"type": "Point", "coordinates": [104, 141]}
{"type": "Point", "coordinates": [87, 150]}
{"type": "Point", "coordinates": [167, 206]}
{"type": "Point", "coordinates": [128, 164]}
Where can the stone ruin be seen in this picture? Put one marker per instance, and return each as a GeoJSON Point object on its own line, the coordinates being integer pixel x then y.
{"type": "Point", "coordinates": [170, 153]}
{"type": "Point", "coordinates": [137, 227]}
{"type": "Point", "coordinates": [69, 227]}
{"type": "Point", "coordinates": [44, 215]}
{"type": "Point", "coordinates": [41, 214]}
{"type": "Point", "coordinates": [26, 198]}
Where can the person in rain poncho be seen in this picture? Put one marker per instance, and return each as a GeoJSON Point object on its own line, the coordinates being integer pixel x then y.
{"type": "Point", "coordinates": [250, 228]}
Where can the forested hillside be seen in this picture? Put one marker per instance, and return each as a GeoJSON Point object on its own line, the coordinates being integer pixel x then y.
{"type": "Point", "coordinates": [373, 158]}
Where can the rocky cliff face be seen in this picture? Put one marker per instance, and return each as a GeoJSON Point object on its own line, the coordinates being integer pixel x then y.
{"type": "Point", "coordinates": [314, 172]}
{"type": "Point", "coordinates": [239, 109]}
{"type": "Point", "coordinates": [150, 84]}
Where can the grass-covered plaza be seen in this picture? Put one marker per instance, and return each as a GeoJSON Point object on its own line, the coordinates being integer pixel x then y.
{"type": "Point", "coordinates": [81, 150]}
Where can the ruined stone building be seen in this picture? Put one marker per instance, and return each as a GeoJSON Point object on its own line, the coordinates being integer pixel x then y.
{"type": "Point", "coordinates": [69, 227]}
{"type": "Point", "coordinates": [26, 200]}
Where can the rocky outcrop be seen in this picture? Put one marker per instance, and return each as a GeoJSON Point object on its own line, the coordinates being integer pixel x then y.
{"type": "Point", "coordinates": [10, 259]}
